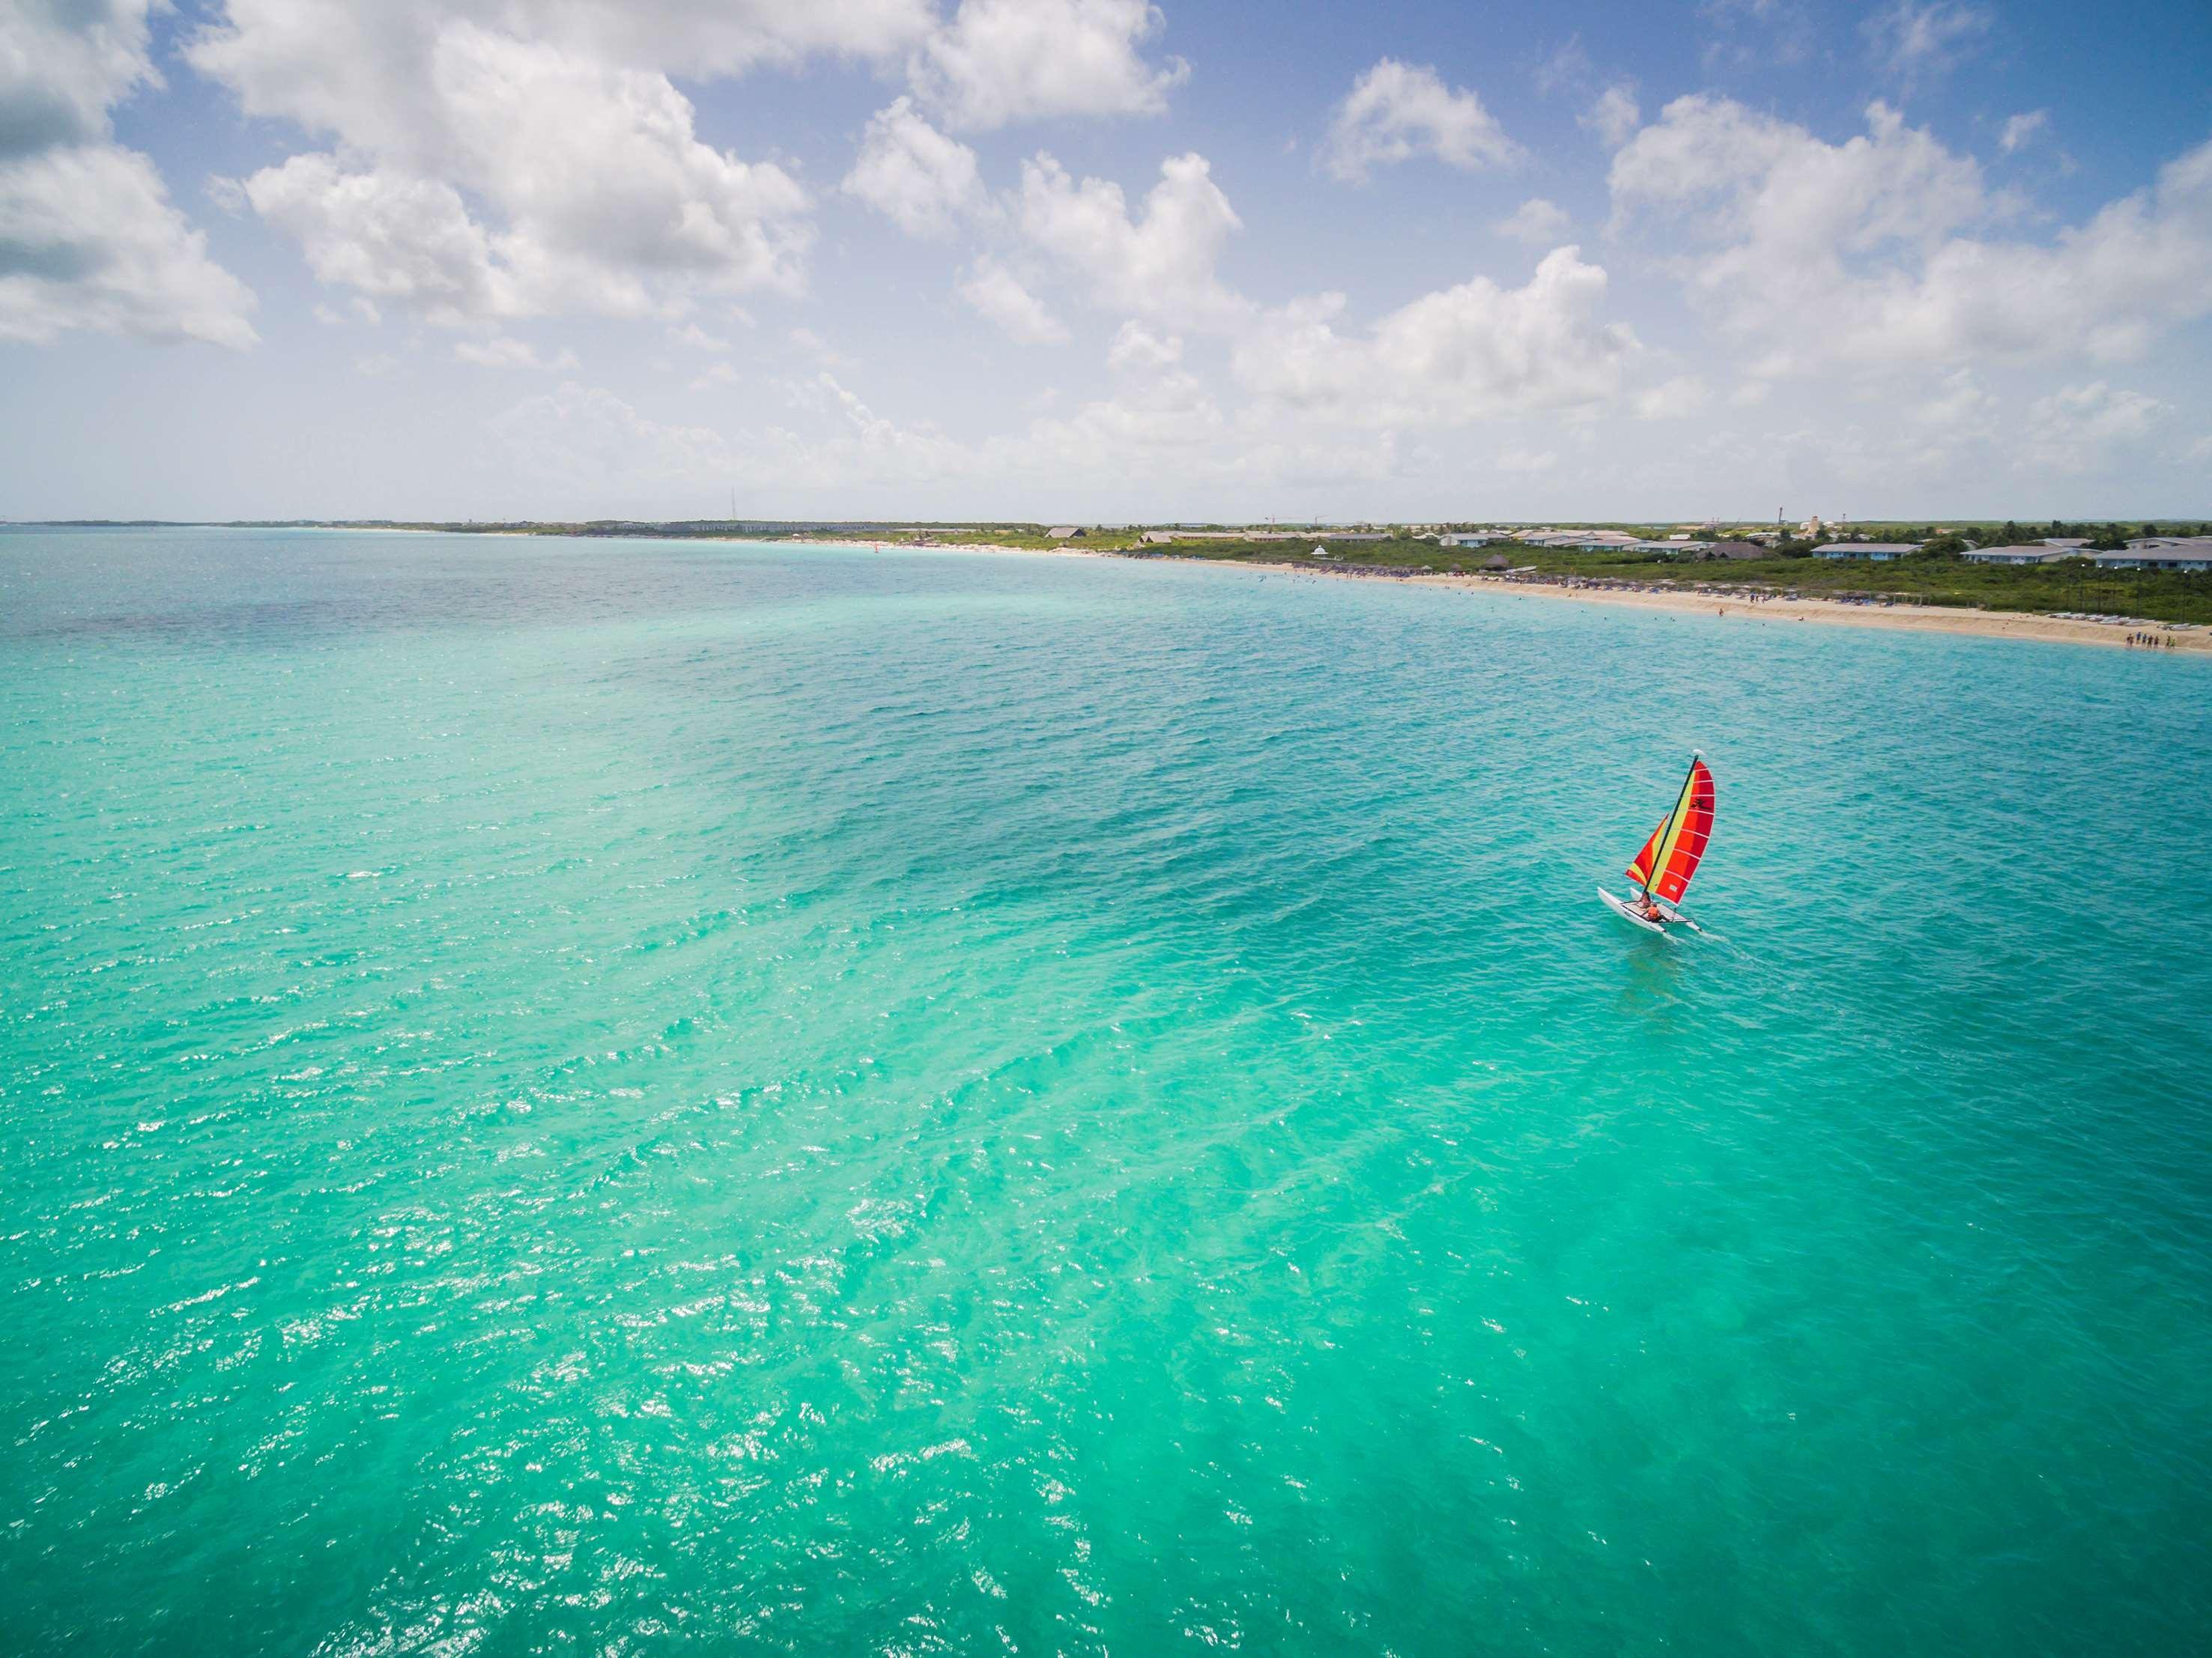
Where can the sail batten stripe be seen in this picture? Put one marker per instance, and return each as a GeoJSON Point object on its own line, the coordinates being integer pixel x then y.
{"type": "Point", "coordinates": [1671, 856]}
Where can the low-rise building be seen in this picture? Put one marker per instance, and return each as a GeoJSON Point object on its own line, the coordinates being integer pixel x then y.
{"type": "Point", "coordinates": [1583, 541]}
{"type": "Point", "coordinates": [1881, 552]}
{"type": "Point", "coordinates": [2192, 556]}
{"type": "Point", "coordinates": [2034, 553]}
{"type": "Point", "coordinates": [1457, 539]}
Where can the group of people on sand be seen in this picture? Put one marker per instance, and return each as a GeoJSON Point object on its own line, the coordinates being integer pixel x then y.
{"type": "Point", "coordinates": [2151, 641]}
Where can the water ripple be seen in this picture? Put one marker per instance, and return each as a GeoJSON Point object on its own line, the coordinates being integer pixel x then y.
{"type": "Point", "coordinates": [630, 1094]}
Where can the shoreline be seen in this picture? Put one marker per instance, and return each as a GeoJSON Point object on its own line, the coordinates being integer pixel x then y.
{"type": "Point", "coordinates": [2040, 626]}
{"type": "Point", "coordinates": [1738, 605]}
{"type": "Point", "coordinates": [2037, 627]}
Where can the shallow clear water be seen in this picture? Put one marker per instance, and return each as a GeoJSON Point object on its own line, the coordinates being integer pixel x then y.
{"type": "Point", "coordinates": [587, 1095]}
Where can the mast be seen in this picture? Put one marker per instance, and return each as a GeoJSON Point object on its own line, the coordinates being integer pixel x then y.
{"type": "Point", "coordinates": [1666, 825]}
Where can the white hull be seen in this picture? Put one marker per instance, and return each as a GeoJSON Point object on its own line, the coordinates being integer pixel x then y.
{"type": "Point", "coordinates": [1629, 915]}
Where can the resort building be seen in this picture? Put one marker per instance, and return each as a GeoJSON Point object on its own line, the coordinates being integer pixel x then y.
{"type": "Point", "coordinates": [1466, 540]}
{"type": "Point", "coordinates": [1880, 551]}
{"type": "Point", "coordinates": [1583, 541]}
{"type": "Point", "coordinates": [2192, 556]}
{"type": "Point", "coordinates": [2038, 552]}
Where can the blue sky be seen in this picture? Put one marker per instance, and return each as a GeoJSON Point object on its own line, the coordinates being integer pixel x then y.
{"type": "Point", "coordinates": [1099, 259]}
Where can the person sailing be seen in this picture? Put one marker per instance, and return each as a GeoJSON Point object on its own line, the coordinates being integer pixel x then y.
{"type": "Point", "coordinates": [1670, 857]}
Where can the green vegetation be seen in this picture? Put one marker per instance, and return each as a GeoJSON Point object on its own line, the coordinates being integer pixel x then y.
{"type": "Point", "coordinates": [2075, 585]}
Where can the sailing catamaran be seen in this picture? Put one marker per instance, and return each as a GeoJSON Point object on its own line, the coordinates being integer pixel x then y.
{"type": "Point", "coordinates": [1670, 857]}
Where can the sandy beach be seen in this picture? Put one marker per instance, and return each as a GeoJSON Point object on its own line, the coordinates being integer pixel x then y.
{"type": "Point", "coordinates": [2117, 633]}
{"type": "Point", "coordinates": [1910, 618]}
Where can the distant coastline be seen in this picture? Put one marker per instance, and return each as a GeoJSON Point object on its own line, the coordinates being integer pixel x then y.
{"type": "Point", "coordinates": [1767, 593]}
{"type": "Point", "coordinates": [1738, 604]}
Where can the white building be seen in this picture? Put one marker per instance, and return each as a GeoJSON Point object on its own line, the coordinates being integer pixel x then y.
{"type": "Point", "coordinates": [1585, 541]}
{"type": "Point", "coordinates": [2038, 552]}
{"type": "Point", "coordinates": [2192, 556]}
{"type": "Point", "coordinates": [1881, 552]}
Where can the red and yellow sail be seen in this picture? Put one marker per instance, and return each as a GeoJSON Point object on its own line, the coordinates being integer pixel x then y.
{"type": "Point", "coordinates": [1670, 857]}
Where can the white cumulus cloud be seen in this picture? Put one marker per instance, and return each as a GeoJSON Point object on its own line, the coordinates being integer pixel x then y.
{"type": "Point", "coordinates": [1396, 111]}
{"type": "Point", "coordinates": [89, 240]}
{"type": "Point", "coordinates": [1466, 353]}
{"type": "Point", "coordinates": [62, 64]}
{"type": "Point", "coordinates": [2019, 131]}
{"type": "Point", "coordinates": [1160, 263]}
{"type": "Point", "coordinates": [601, 196]}
{"type": "Point", "coordinates": [1615, 117]}
{"type": "Point", "coordinates": [996, 293]}
{"type": "Point", "coordinates": [923, 181]}
{"type": "Point", "coordinates": [361, 70]}
{"type": "Point", "coordinates": [1914, 40]}
{"type": "Point", "coordinates": [1877, 237]}
{"type": "Point", "coordinates": [388, 236]}
{"type": "Point", "coordinates": [89, 236]}
{"type": "Point", "coordinates": [1001, 61]}
{"type": "Point", "coordinates": [1136, 346]}
{"type": "Point", "coordinates": [1536, 221]}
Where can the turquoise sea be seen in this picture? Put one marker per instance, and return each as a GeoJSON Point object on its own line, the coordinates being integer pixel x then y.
{"type": "Point", "coordinates": [610, 1097]}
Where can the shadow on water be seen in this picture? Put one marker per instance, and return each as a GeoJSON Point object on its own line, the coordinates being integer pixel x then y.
{"type": "Point", "coordinates": [1655, 971]}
